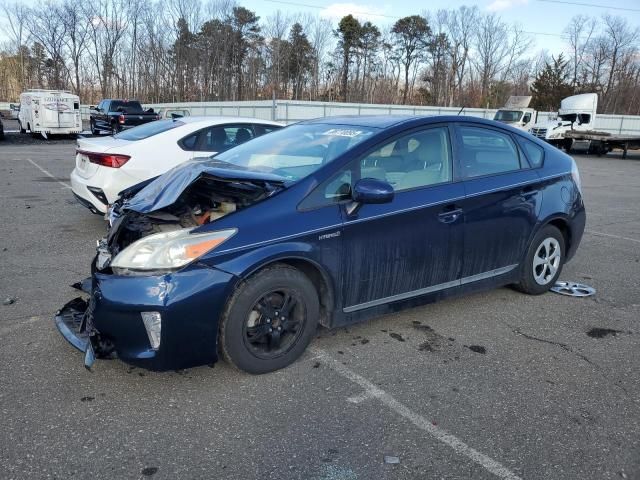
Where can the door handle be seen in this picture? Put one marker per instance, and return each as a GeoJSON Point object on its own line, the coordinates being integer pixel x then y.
{"type": "Point", "coordinates": [449, 214]}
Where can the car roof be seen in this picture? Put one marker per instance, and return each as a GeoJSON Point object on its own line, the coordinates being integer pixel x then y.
{"type": "Point", "coordinates": [376, 121]}
{"type": "Point", "coordinates": [386, 121]}
{"type": "Point", "coordinates": [213, 120]}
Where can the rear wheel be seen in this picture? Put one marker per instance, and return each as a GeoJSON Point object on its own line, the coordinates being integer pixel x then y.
{"type": "Point", "coordinates": [22, 130]}
{"type": "Point", "coordinates": [114, 128]}
{"type": "Point", "coordinates": [543, 262]}
{"type": "Point", "coordinates": [270, 320]}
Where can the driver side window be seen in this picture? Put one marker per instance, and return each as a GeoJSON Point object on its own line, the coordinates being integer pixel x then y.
{"type": "Point", "coordinates": [419, 159]}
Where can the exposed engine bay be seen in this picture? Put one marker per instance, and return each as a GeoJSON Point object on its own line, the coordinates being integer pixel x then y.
{"type": "Point", "coordinates": [204, 201]}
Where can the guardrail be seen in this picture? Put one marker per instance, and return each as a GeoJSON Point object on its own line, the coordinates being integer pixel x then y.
{"type": "Point", "coordinates": [291, 111]}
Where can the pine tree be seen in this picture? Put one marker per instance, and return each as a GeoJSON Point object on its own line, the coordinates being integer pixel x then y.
{"type": "Point", "coordinates": [551, 85]}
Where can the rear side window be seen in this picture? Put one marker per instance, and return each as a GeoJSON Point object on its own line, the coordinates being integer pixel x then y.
{"type": "Point", "coordinates": [486, 152]}
{"type": "Point", "coordinates": [126, 107]}
{"type": "Point", "coordinates": [218, 138]}
{"type": "Point", "coordinates": [148, 130]}
{"type": "Point", "coordinates": [534, 153]}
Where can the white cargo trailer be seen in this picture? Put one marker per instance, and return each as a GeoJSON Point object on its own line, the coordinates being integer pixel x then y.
{"type": "Point", "coordinates": [49, 112]}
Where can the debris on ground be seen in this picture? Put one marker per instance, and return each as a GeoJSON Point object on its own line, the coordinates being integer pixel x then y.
{"type": "Point", "coordinates": [390, 459]}
{"type": "Point", "coordinates": [9, 301]}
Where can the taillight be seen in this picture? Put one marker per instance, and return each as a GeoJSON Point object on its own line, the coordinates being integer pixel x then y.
{"type": "Point", "coordinates": [106, 159]}
{"type": "Point", "coordinates": [576, 176]}
{"type": "Point", "coordinates": [121, 118]}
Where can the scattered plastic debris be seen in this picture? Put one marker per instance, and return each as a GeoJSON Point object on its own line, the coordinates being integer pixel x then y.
{"type": "Point", "coordinates": [390, 459]}
{"type": "Point", "coordinates": [573, 289]}
{"type": "Point", "coordinates": [9, 301]}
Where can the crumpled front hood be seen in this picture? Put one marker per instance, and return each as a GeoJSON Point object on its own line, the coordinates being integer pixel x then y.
{"type": "Point", "coordinates": [167, 188]}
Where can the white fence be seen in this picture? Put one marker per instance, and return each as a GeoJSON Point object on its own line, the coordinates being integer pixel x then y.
{"type": "Point", "coordinates": [290, 111]}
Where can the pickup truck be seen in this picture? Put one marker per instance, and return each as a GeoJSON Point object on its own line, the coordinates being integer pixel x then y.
{"type": "Point", "coordinates": [113, 116]}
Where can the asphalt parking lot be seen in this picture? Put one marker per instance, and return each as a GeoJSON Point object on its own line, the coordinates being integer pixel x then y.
{"type": "Point", "coordinates": [494, 385]}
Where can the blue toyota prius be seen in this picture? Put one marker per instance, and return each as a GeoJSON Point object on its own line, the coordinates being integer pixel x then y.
{"type": "Point", "coordinates": [328, 221]}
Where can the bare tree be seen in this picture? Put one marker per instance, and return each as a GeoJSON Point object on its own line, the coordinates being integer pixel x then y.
{"type": "Point", "coordinates": [579, 33]}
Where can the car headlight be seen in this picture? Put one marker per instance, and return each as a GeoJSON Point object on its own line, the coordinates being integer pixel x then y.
{"type": "Point", "coordinates": [169, 250]}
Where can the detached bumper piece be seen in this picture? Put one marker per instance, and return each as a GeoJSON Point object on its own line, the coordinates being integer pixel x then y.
{"type": "Point", "coordinates": [74, 322]}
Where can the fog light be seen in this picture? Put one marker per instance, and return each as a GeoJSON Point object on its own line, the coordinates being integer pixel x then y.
{"type": "Point", "coordinates": [153, 323]}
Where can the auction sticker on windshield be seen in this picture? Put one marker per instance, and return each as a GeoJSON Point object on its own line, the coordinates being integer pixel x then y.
{"type": "Point", "coordinates": [343, 132]}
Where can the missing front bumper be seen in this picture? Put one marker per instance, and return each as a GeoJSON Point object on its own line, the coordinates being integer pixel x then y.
{"type": "Point", "coordinates": [74, 323]}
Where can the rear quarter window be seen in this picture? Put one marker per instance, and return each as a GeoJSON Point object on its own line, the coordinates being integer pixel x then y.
{"type": "Point", "coordinates": [533, 152]}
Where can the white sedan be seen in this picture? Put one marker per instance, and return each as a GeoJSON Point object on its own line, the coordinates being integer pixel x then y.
{"type": "Point", "coordinates": [106, 166]}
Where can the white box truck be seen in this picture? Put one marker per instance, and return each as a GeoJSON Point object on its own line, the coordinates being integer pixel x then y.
{"type": "Point", "coordinates": [517, 114]}
{"type": "Point", "coordinates": [577, 113]}
{"type": "Point", "coordinates": [49, 112]}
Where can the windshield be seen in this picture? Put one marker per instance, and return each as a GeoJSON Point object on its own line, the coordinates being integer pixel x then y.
{"type": "Point", "coordinates": [569, 117]}
{"type": "Point", "coordinates": [508, 116]}
{"type": "Point", "coordinates": [296, 151]}
{"type": "Point", "coordinates": [148, 130]}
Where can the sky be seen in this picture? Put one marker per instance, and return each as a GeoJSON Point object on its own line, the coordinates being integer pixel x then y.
{"type": "Point", "coordinates": [544, 19]}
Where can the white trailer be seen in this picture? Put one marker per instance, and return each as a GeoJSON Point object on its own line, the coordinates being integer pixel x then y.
{"type": "Point", "coordinates": [517, 114]}
{"type": "Point", "coordinates": [49, 112]}
{"type": "Point", "coordinates": [576, 114]}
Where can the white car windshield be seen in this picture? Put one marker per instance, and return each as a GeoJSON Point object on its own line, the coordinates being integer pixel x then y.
{"type": "Point", "coordinates": [296, 151]}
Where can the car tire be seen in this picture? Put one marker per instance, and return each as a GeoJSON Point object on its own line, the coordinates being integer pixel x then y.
{"type": "Point", "coordinates": [259, 331]}
{"type": "Point", "coordinates": [114, 128]}
{"type": "Point", "coordinates": [543, 261]}
{"type": "Point", "coordinates": [92, 127]}
{"type": "Point", "coordinates": [22, 130]}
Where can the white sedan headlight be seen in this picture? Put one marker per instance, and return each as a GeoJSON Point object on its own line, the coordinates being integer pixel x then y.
{"type": "Point", "coordinates": [170, 250]}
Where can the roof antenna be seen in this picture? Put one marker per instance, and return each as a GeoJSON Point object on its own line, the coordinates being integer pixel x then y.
{"type": "Point", "coordinates": [460, 111]}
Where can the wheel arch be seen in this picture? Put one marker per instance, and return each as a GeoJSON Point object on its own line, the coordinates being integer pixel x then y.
{"type": "Point", "coordinates": [313, 271]}
{"type": "Point", "coordinates": [562, 224]}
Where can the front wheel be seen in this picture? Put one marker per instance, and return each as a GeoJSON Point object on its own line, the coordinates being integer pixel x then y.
{"type": "Point", "coordinates": [94, 130]}
{"type": "Point", "coordinates": [269, 320]}
{"type": "Point", "coordinates": [543, 262]}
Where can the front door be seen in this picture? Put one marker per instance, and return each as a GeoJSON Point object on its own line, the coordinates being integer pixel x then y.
{"type": "Point", "coordinates": [411, 246]}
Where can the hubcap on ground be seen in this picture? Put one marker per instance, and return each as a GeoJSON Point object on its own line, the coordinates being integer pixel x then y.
{"type": "Point", "coordinates": [274, 324]}
{"type": "Point", "coordinates": [546, 261]}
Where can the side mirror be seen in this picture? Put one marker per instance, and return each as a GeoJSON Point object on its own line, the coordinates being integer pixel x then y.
{"type": "Point", "coordinates": [370, 190]}
{"type": "Point", "coordinates": [92, 107]}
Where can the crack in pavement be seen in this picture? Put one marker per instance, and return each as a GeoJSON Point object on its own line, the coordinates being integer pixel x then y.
{"type": "Point", "coordinates": [567, 348]}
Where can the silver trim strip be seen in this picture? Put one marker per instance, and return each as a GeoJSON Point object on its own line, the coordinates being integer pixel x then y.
{"type": "Point", "coordinates": [431, 289]}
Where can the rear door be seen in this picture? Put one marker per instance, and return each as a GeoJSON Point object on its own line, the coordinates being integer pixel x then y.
{"type": "Point", "coordinates": [502, 200]}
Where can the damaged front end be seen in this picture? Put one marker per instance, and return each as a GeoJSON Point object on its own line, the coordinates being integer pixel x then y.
{"type": "Point", "coordinates": [74, 321]}
{"type": "Point", "coordinates": [146, 283]}
{"type": "Point", "coordinates": [194, 194]}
